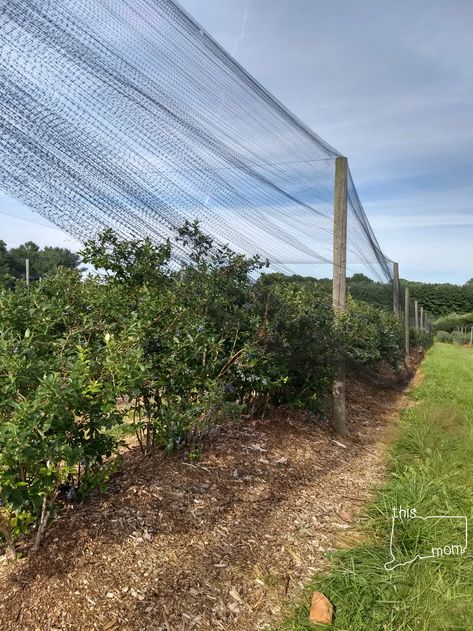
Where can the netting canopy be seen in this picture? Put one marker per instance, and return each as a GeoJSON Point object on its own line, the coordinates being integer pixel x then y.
{"type": "Point", "coordinates": [127, 114]}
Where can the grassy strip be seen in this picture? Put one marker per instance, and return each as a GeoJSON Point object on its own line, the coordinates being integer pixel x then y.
{"type": "Point", "coordinates": [431, 470]}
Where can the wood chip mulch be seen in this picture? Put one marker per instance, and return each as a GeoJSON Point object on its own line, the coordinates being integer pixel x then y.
{"type": "Point", "coordinates": [218, 544]}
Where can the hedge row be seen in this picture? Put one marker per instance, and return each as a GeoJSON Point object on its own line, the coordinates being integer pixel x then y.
{"type": "Point", "coordinates": [453, 337]}
{"type": "Point", "coordinates": [164, 353]}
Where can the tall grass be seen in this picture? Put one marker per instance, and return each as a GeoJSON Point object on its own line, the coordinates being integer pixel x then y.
{"type": "Point", "coordinates": [431, 470]}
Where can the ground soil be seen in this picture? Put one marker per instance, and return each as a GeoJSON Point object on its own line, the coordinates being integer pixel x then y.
{"type": "Point", "coordinates": [217, 544]}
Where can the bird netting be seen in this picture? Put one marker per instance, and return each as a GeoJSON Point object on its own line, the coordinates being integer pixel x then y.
{"type": "Point", "coordinates": [127, 114]}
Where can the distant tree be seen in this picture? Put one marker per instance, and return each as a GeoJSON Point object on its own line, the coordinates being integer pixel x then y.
{"type": "Point", "coordinates": [469, 283]}
{"type": "Point", "coordinates": [17, 256]}
{"type": "Point", "coordinates": [42, 261]}
{"type": "Point", "coordinates": [360, 278]}
{"type": "Point", "coordinates": [53, 257]}
{"type": "Point", "coordinates": [4, 267]}
{"type": "Point", "coordinates": [363, 288]}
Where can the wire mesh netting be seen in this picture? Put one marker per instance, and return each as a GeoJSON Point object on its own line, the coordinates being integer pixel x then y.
{"type": "Point", "coordinates": [127, 114]}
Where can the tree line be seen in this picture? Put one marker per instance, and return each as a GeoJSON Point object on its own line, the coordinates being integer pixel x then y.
{"type": "Point", "coordinates": [438, 299]}
{"type": "Point", "coordinates": [42, 260]}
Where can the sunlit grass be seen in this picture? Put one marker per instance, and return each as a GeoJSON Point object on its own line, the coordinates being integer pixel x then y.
{"type": "Point", "coordinates": [431, 469]}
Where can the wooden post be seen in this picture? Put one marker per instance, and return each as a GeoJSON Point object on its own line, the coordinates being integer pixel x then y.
{"type": "Point", "coordinates": [407, 321]}
{"type": "Point", "coordinates": [422, 318]}
{"type": "Point", "coordinates": [416, 313]}
{"type": "Point", "coordinates": [396, 289]}
{"type": "Point", "coordinates": [471, 336]}
{"type": "Point", "coordinates": [27, 272]}
{"type": "Point", "coordinates": [339, 285]}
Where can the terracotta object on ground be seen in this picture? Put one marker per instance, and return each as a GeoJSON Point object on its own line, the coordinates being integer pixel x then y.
{"type": "Point", "coordinates": [321, 609]}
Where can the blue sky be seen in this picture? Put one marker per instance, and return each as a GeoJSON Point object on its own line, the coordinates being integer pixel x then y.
{"type": "Point", "coordinates": [389, 84]}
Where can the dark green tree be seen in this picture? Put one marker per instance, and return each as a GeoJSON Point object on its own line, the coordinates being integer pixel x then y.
{"type": "Point", "coordinates": [42, 261]}
{"type": "Point", "coordinates": [4, 267]}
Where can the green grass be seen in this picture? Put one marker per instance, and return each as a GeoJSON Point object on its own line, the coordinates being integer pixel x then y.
{"type": "Point", "coordinates": [431, 469]}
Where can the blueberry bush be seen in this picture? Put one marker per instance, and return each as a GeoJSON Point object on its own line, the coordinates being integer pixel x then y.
{"type": "Point", "coordinates": [162, 351]}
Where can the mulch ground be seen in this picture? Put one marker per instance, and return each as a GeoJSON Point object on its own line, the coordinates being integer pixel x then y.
{"type": "Point", "coordinates": [221, 543]}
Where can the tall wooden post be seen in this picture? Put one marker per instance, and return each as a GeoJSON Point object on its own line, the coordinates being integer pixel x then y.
{"type": "Point", "coordinates": [396, 289]}
{"type": "Point", "coordinates": [416, 313]}
{"type": "Point", "coordinates": [27, 272]}
{"type": "Point", "coordinates": [471, 335]}
{"type": "Point", "coordinates": [422, 318]}
{"type": "Point", "coordinates": [339, 285]}
{"type": "Point", "coordinates": [407, 323]}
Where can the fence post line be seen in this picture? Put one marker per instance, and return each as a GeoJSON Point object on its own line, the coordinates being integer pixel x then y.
{"type": "Point", "coordinates": [339, 285]}
{"type": "Point", "coordinates": [416, 313]}
{"type": "Point", "coordinates": [27, 272]}
{"type": "Point", "coordinates": [396, 289]}
{"type": "Point", "coordinates": [407, 320]}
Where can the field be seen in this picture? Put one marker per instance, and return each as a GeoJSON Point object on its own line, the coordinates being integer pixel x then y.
{"type": "Point", "coordinates": [431, 470]}
{"type": "Point", "coordinates": [231, 402]}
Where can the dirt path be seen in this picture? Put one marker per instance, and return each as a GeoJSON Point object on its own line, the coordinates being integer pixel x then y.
{"type": "Point", "coordinates": [219, 544]}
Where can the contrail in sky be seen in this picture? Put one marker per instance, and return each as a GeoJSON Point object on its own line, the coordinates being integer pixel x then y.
{"type": "Point", "coordinates": [243, 28]}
